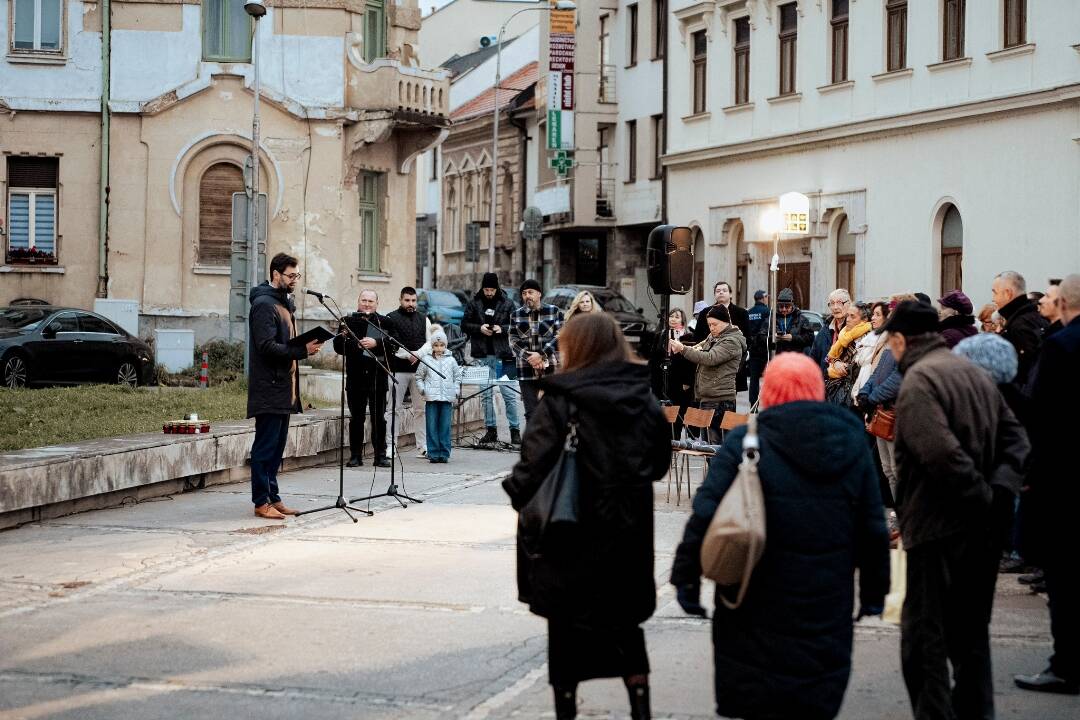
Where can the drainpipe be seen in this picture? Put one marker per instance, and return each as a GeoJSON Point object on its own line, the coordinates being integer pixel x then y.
{"type": "Point", "coordinates": [103, 182]}
{"type": "Point", "coordinates": [523, 164]}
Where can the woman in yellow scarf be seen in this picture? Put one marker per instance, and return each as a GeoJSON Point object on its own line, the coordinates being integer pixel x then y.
{"type": "Point", "coordinates": [841, 368]}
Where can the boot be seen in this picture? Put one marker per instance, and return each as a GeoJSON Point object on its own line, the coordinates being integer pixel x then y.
{"type": "Point", "coordinates": [515, 437]}
{"type": "Point", "coordinates": [639, 702]}
{"type": "Point", "coordinates": [490, 437]}
{"type": "Point", "coordinates": [565, 703]}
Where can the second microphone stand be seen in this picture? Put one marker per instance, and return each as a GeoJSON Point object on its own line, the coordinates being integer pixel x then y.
{"type": "Point", "coordinates": [392, 490]}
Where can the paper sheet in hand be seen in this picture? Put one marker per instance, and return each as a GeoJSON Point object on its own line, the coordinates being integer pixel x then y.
{"type": "Point", "coordinates": [316, 333]}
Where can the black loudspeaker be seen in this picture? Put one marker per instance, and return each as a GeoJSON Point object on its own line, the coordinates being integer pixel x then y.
{"type": "Point", "coordinates": [670, 260]}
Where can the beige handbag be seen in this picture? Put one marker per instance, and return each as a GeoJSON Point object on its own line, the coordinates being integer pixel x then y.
{"type": "Point", "coordinates": [735, 539]}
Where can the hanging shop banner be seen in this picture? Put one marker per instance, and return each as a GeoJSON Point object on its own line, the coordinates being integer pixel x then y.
{"type": "Point", "coordinates": [567, 90]}
{"type": "Point", "coordinates": [562, 21]}
{"type": "Point", "coordinates": [561, 51]}
{"type": "Point", "coordinates": [554, 90]}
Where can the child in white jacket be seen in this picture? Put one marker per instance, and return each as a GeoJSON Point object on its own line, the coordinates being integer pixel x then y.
{"type": "Point", "coordinates": [439, 394]}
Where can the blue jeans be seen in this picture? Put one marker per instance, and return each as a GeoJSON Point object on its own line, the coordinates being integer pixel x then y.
{"type": "Point", "coordinates": [508, 395]}
{"type": "Point", "coordinates": [271, 433]}
{"type": "Point", "coordinates": [437, 415]}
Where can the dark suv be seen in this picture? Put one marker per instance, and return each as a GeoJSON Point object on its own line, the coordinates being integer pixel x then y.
{"type": "Point", "coordinates": [634, 325]}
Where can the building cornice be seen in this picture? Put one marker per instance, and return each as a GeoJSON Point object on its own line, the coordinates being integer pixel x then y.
{"type": "Point", "coordinates": [878, 127]}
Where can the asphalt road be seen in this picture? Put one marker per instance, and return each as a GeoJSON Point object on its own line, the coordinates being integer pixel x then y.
{"type": "Point", "coordinates": [190, 607]}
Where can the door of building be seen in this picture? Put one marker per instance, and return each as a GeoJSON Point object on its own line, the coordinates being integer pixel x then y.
{"type": "Point", "coordinates": [797, 277]}
{"type": "Point", "coordinates": [591, 265]}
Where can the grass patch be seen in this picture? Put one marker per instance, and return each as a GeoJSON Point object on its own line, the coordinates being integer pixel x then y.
{"type": "Point", "coordinates": [61, 415]}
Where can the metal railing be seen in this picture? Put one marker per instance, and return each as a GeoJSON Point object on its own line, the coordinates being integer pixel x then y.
{"type": "Point", "coordinates": [605, 197]}
{"type": "Point", "coordinates": [607, 84]}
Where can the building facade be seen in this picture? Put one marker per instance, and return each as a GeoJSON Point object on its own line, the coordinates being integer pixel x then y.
{"type": "Point", "coordinates": [136, 202]}
{"type": "Point", "coordinates": [937, 141]}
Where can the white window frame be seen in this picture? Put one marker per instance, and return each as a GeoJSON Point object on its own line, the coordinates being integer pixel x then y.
{"type": "Point", "coordinates": [37, 49]}
{"type": "Point", "coordinates": [32, 208]}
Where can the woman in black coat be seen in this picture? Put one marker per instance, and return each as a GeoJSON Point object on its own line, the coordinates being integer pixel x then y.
{"type": "Point", "coordinates": [597, 592]}
{"type": "Point", "coordinates": [680, 373]}
{"type": "Point", "coordinates": [786, 651]}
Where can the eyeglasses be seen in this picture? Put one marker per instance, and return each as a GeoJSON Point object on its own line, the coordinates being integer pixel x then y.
{"type": "Point", "coordinates": [292, 276]}
{"type": "Point", "coordinates": [784, 306]}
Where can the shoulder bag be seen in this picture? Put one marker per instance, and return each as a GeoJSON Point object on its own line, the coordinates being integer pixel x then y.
{"type": "Point", "coordinates": [735, 540]}
{"type": "Point", "coordinates": [550, 518]}
{"type": "Point", "coordinates": [883, 424]}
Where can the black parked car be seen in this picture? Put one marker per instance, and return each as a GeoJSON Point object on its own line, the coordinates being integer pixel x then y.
{"type": "Point", "coordinates": [45, 344]}
{"type": "Point", "coordinates": [633, 323]}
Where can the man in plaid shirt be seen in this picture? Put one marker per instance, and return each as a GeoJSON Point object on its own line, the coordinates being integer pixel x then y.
{"type": "Point", "coordinates": [534, 330]}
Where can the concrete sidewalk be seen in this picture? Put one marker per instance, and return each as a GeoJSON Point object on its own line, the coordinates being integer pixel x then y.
{"type": "Point", "coordinates": [190, 607]}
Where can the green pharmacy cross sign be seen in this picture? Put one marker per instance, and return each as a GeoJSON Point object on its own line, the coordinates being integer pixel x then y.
{"type": "Point", "coordinates": [561, 162]}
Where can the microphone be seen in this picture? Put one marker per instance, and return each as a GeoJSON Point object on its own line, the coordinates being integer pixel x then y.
{"type": "Point", "coordinates": [318, 295]}
{"type": "Point", "coordinates": [695, 445]}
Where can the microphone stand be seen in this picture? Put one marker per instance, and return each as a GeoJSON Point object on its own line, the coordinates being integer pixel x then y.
{"type": "Point", "coordinates": [340, 503]}
{"type": "Point", "coordinates": [392, 490]}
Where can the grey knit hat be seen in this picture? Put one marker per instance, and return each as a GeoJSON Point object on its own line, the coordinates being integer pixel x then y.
{"type": "Point", "coordinates": [437, 336]}
{"type": "Point", "coordinates": [992, 353]}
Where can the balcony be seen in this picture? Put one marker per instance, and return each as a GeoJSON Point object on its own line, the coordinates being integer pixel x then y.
{"type": "Point", "coordinates": [411, 93]}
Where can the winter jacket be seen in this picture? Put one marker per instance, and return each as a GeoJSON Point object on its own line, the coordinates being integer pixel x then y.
{"type": "Point", "coordinates": [796, 325]}
{"type": "Point", "coordinates": [955, 438]}
{"type": "Point", "coordinates": [1050, 504]}
{"type": "Point", "coordinates": [786, 651]}
{"type": "Point", "coordinates": [476, 315]}
{"type": "Point", "coordinates": [823, 342]}
{"type": "Point", "coordinates": [410, 329]}
{"type": "Point", "coordinates": [623, 447]}
{"type": "Point", "coordinates": [535, 331]}
{"type": "Point", "coordinates": [717, 359]}
{"type": "Point", "coordinates": [1023, 326]}
{"type": "Point", "coordinates": [273, 376]}
{"type": "Point", "coordinates": [680, 378]}
{"type": "Point", "coordinates": [884, 383]}
{"type": "Point", "coordinates": [359, 362]}
{"type": "Point", "coordinates": [757, 338]}
{"type": "Point", "coordinates": [955, 328]}
{"type": "Point", "coordinates": [843, 350]}
{"type": "Point", "coordinates": [740, 318]}
{"type": "Point", "coordinates": [435, 388]}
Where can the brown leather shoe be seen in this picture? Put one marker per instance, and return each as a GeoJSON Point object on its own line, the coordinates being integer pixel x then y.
{"type": "Point", "coordinates": [268, 512]}
{"type": "Point", "coordinates": [283, 508]}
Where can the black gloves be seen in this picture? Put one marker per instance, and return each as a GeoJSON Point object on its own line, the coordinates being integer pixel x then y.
{"type": "Point", "coordinates": [689, 599]}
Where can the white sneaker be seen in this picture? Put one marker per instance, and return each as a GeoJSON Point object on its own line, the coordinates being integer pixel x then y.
{"type": "Point", "coordinates": [421, 453]}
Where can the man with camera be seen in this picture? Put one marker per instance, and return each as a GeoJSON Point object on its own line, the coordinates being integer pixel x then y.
{"type": "Point", "coordinates": [487, 323]}
{"type": "Point", "coordinates": [366, 379]}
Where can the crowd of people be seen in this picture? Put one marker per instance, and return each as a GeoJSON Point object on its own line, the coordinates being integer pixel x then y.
{"type": "Point", "coordinates": [972, 463]}
{"type": "Point", "coordinates": [969, 467]}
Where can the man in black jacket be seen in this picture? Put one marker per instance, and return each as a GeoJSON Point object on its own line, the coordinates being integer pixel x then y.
{"type": "Point", "coordinates": [410, 328]}
{"type": "Point", "coordinates": [1022, 325]}
{"type": "Point", "coordinates": [793, 331]}
{"type": "Point", "coordinates": [487, 323]}
{"type": "Point", "coordinates": [1053, 495]}
{"type": "Point", "coordinates": [757, 342]}
{"type": "Point", "coordinates": [366, 382]}
{"type": "Point", "coordinates": [273, 380]}
{"type": "Point", "coordinates": [958, 446]}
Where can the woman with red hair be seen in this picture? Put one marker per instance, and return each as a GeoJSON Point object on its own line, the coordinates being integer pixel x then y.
{"type": "Point", "coordinates": [786, 651]}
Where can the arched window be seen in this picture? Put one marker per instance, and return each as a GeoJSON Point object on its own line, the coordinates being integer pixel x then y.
{"type": "Point", "coordinates": [845, 257]}
{"type": "Point", "coordinates": [700, 293]}
{"type": "Point", "coordinates": [508, 208]}
{"type": "Point", "coordinates": [952, 250]}
{"type": "Point", "coordinates": [485, 204]}
{"type": "Point", "coordinates": [450, 232]}
{"type": "Point", "coordinates": [742, 266]}
{"type": "Point", "coordinates": [216, 188]}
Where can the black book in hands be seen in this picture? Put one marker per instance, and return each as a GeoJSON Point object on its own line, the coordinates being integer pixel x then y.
{"type": "Point", "coordinates": [316, 333]}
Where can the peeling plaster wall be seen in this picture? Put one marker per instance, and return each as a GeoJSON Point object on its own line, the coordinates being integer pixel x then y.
{"type": "Point", "coordinates": [74, 85]}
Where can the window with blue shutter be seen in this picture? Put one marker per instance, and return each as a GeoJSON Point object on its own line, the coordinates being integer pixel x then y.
{"type": "Point", "coordinates": [31, 210]}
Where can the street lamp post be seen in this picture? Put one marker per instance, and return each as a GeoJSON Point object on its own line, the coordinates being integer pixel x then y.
{"type": "Point", "coordinates": [772, 223]}
{"type": "Point", "coordinates": [256, 9]}
{"type": "Point", "coordinates": [558, 5]}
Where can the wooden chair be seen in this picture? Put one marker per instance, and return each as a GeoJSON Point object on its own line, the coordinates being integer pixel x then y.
{"type": "Point", "coordinates": [693, 418]}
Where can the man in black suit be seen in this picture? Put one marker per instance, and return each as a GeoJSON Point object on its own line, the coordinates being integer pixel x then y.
{"type": "Point", "coordinates": [365, 381]}
{"type": "Point", "coordinates": [739, 318]}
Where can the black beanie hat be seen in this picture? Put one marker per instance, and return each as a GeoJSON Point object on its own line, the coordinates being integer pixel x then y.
{"type": "Point", "coordinates": [491, 280]}
{"type": "Point", "coordinates": [912, 318]}
{"type": "Point", "coordinates": [531, 284]}
{"type": "Point", "coordinates": [719, 312]}
{"type": "Point", "coordinates": [923, 298]}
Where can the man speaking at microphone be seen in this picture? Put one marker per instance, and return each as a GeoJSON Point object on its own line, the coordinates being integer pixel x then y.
{"type": "Point", "coordinates": [273, 380]}
{"type": "Point", "coordinates": [366, 382]}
